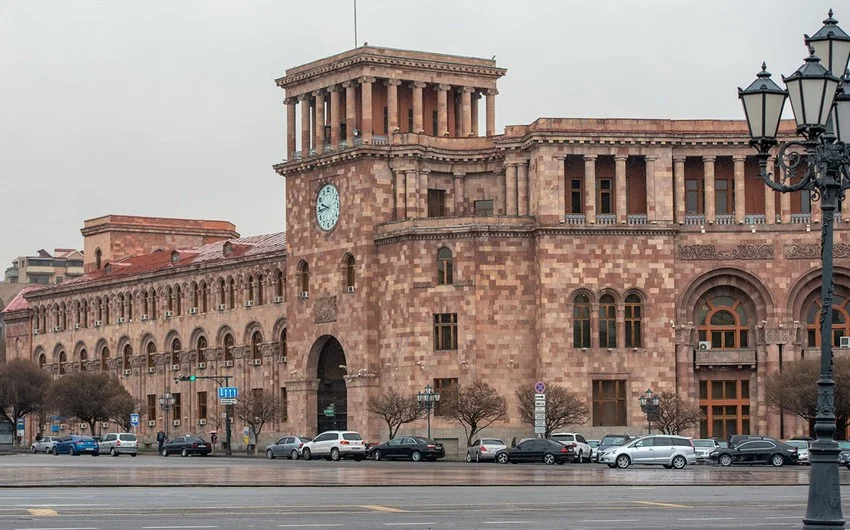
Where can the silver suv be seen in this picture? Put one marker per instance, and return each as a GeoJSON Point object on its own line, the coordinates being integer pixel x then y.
{"type": "Point", "coordinates": [118, 443]}
{"type": "Point", "coordinates": [335, 445]}
{"type": "Point", "coordinates": [661, 449]}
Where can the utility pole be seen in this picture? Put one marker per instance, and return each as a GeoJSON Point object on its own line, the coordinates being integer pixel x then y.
{"type": "Point", "coordinates": [223, 381]}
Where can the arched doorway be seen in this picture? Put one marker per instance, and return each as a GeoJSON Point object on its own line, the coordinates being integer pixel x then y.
{"type": "Point", "coordinates": [332, 394]}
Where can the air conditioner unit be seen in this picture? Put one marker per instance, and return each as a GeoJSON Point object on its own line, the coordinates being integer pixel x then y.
{"type": "Point", "coordinates": [175, 367]}
{"type": "Point", "coordinates": [201, 366]}
{"type": "Point", "coordinates": [282, 359]}
{"type": "Point", "coordinates": [202, 421]}
{"type": "Point", "coordinates": [176, 423]}
{"type": "Point", "coordinates": [128, 372]}
{"type": "Point", "coordinates": [76, 326]}
{"type": "Point", "coordinates": [56, 328]}
{"type": "Point", "coordinates": [305, 294]}
{"type": "Point", "coordinates": [120, 320]}
{"type": "Point", "coordinates": [844, 342]}
{"type": "Point", "coordinates": [84, 426]}
{"type": "Point", "coordinates": [169, 314]}
{"type": "Point", "coordinates": [35, 331]}
{"type": "Point", "coordinates": [105, 425]}
{"type": "Point", "coordinates": [151, 369]}
{"type": "Point", "coordinates": [62, 426]}
{"type": "Point", "coordinates": [228, 363]}
{"type": "Point", "coordinates": [704, 345]}
{"type": "Point", "coordinates": [257, 362]}
{"type": "Point", "coordinates": [144, 318]}
{"type": "Point", "coordinates": [98, 323]}
{"type": "Point", "coordinates": [249, 303]}
{"type": "Point", "coordinates": [278, 299]}
{"type": "Point", "coordinates": [151, 423]}
{"type": "Point", "coordinates": [350, 289]}
{"type": "Point", "coordinates": [193, 310]}
{"type": "Point", "coordinates": [221, 307]}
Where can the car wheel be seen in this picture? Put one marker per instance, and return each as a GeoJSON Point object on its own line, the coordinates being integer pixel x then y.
{"type": "Point", "coordinates": [112, 452]}
{"type": "Point", "coordinates": [335, 456]}
{"type": "Point", "coordinates": [293, 455]}
{"type": "Point", "coordinates": [56, 453]}
{"type": "Point", "coordinates": [416, 456]}
{"type": "Point", "coordinates": [580, 457]}
{"type": "Point", "coordinates": [184, 453]}
{"type": "Point", "coordinates": [725, 460]}
{"type": "Point", "coordinates": [478, 457]}
{"type": "Point", "coordinates": [376, 455]}
{"type": "Point", "coordinates": [777, 460]}
{"type": "Point", "coordinates": [133, 455]}
{"type": "Point", "coordinates": [306, 454]}
{"type": "Point", "coordinates": [270, 454]}
{"type": "Point", "coordinates": [502, 458]}
{"type": "Point", "coordinates": [623, 461]}
{"type": "Point", "coordinates": [95, 454]}
{"type": "Point", "coordinates": [679, 462]}
{"type": "Point", "coordinates": [165, 452]}
{"type": "Point", "coordinates": [548, 459]}
{"type": "Point", "coordinates": [71, 451]}
{"type": "Point", "coordinates": [358, 458]}
{"type": "Point", "coordinates": [468, 458]}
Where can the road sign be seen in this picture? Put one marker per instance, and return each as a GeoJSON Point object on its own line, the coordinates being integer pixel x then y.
{"type": "Point", "coordinates": [330, 413]}
{"type": "Point", "coordinates": [539, 417]}
{"type": "Point", "coordinates": [540, 410]}
{"type": "Point", "coordinates": [540, 387]}
{"type": "Point", "coordinates": [540, 429]}
{"type": "Point", "coordinates": [134, 419]}
{"type": "Point", "coordinates": [228, 392]}
{"type": "Point", "coordinates": [54, 428]}
{"type": "Point", "coordinates": [227, 401]}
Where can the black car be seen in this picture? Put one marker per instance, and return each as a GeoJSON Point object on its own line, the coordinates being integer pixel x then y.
{"type": "Point", "coordinates": [187, 445]}
{"type": "Point", "coordinates": [737, 439]}
{"type": "Point", "coordinates": [536, 450]}
{"type": "Point", "coordinates": [763, 450]}
{"type": "Point", "coordinates": [608, 441]}
{"type": "Point", "coordinates": [415, 448]}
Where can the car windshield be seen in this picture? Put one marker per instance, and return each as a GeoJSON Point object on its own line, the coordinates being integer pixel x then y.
{"type": "Point", "coordinates": [799, 444]}
{"type": "Point", "coordinates": [704, 443]}
{"type": "Point", "coordinates": [593, 443]}
{"type": "Point", "coordinates": [493, 441]}
{"type": "Point", "coordinates": [844, 445]}
{"type": "Point", "coordinates": [351, 436]}
{"type": "Point", "coordinates": [613, 440]}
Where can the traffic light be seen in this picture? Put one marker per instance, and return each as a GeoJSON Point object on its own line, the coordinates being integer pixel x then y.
{"type": "Point", "coordinates": [190, 378]}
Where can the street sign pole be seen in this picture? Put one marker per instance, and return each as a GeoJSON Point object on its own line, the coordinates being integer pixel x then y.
{"type": "Point", "coordinates": [223, 381]}
{"type": "Point", "coordinates": [540, 408]}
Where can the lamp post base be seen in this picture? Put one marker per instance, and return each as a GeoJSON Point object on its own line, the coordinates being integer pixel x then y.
{"type": "Point", "coordinates": [824, 508]}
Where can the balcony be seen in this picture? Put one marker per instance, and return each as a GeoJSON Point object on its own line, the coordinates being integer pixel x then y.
{"type": "Point", "coordinates": [692, 219]}
{"type": "Point", "coordinates": [801, 218]}
{"type": "Point", "coordinates": [574, 219]}
{"type": "Point", "coordinates": [725, 358]}
{"type": "Point", "coordinates": [637, 219]}
{"type": "Point", "coordinates": [606, 219]}
{"type": "Point", "coordinates": [724, 219]}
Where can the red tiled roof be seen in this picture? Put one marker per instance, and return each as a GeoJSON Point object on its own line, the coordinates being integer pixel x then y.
{"type": "Point", "coordinates": [19, 302]}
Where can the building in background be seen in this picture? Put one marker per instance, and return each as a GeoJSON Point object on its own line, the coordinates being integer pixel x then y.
{"type": "Point", "coordinates": [45, 269]}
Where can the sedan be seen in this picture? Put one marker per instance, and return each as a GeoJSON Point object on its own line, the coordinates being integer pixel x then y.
{"type": "Point", "coordinates": [763, 451]}
{"type": "Point", "coordinates": [76, 445]}
{"type": "Point", "coordinates": [802, 450]}
{"type": "Point", "coordinates": [484, 449]}
{"type": "Point", "coordinates": [415, 448]}
{"type": "Point", "coordinates": [187, 445]}
{"type": "Point", "coordinates": [288, 446]}
{"type": "Point", "coordinates": [537, 450]}
{"type": "Point", "coordinates": [44, 444]}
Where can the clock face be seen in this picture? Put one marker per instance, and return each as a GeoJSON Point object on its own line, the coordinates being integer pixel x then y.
{"type": "Point", "coordinates": [327, 207]}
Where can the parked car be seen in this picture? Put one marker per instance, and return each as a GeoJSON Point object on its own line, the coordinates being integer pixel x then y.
{"type": "Point", "coordinates": [76, 445]}
{"type": "Point", "coordinates": [802, 450]}
{"type": "Point", "coordinates": [537, 450]}
{"type": "Point", "coordinates": [580, 447]}
{"type": "Point", "coordinates": [844, 456]}
{"type": "Point", "coordinates": [288, 446]}
{"type": "Point", "coordinates": [44, 444]}
{"type": "Point", "coordinates": [187, 445]}
{"type": "Point", "coordinates": [594, 444]}
{"type": "Point", "coordinates": [762, 450]}
{"type": "Point", "coordinates": [704, 447]}
{"type": "Point", "coordinates": [737, 439]}
{"type": "Point", "coordinates": [118, 443]}
{"type": "Point", "coordinates": [611, 440]}
{"type": "Point", "coordinates": [335, 445]}
{"type": "Point", "coordinates": [658, 449]}
{"type": "Point", "coordinates": [415, 448]}
{"type": "Point", "coordinates": [484, 449]}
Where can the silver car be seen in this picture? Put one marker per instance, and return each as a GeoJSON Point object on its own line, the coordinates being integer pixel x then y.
{"type": "Point", "coordinates": [288, 446]}
{"type": "Point", "coordinates": [658, 449]}
{"type": "Point", "coordinates": [44, 445]}
{"type": "Point", "coordinates": [802, 446]}
{"type": "Point", "coordinates": [704, 447]}
{"type": "Point", "coordinates": [484, 449]}
{"type": "Point", "coordinates": [119, 443]}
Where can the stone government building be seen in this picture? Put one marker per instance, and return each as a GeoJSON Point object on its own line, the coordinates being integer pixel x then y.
{"type": "Point", "coordinates": [607, 255]}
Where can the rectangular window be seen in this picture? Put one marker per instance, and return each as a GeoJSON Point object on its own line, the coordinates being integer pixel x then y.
{"type": "Point", "coordinates": [484, 208]}
{"type": "Point", "coordinates": [609, 403]}
{"type": "Point", "coordinates": [576, 194]}
{"type": "Point", "coordinates": [436, 203]}
{"type": "Point", "coordinates": [723, 200]}
{"type": "Point", "coordinates": [257, 394]}
{"type": "Point", "coordinates": [202, 405]}
{"type": "Point", "coordinates": [152, 406]}
{"type": "Point", "coordinates": [693, 196]}
{"type": "Point", "coordinates": [604, 198]}
{"type": "Point", "coordinates": [284, 405]}
{"type": "Point", "coordinates": [178, 407]}
{"type": "Point", "coordinates": [410, 119]}
{"type": "Point", "coordinates": [443, 386]}
{"type": "Point", "coordinates": [445, 331]}
{"type": "Point", "coordinates": [386, 120]}
{"type": "Point", "coordinates": [435, 123]}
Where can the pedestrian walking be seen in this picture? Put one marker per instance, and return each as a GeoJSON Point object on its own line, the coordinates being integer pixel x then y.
{"type": "Point", "coordinates": [213, 439]}
{"type": "Point", "coordinates": [160, 440]}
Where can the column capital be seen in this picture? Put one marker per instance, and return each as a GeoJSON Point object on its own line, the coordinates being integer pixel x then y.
{"type": "Point", "coordinates": [559, 157]}
{"type": "Point", "coordinates": [366, 79]}
{"type": "Point", "coordinates": [318, 93]}
{"type": "Point", "coordinates": [290, 101]}
{"type": "Point", "coordinates": [350, 83]}
{"type": "Point", "coordinates": [424, 171]}
{"type": "Point", "coordinates": [709, 158]}
{"type": "Point", "coordinates": [304, 97]}
{"type": "Point", "coordinates": [388, 82]}
{"type": "Point", "coordinates": [442, 87]}
{"type": "Point", "coordinates": [739, 158]}
{"type": "Point", "coordinates": [469, 89]}
{"type": "Point", "coordinates": [649, 158]}
{"type": "Point", "coordinates": [589, 158]}
{"type": "Point", "coordinates": [418, 84]}
{"type": "Point", "coordinates": [332, 88]}
{"type": "Point", "coordinates": [459, 174]}
{"type": "Point", "coordinates": [622, 158]}
{"type": "Point", "coordinates": [679, 158]}
{"type": "Point", "coordinates": [492, 92]}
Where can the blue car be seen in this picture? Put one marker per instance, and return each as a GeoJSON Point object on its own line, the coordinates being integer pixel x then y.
{"type": "Point", "coordinates": [76, 445]}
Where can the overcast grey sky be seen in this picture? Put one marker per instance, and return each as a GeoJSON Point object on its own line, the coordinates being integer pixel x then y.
{"type": "Point", "coordinates": [169, 108]}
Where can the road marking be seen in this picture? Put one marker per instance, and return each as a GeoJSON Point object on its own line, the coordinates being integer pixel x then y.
{"type": "Point", "coordinates": [409, 524]}
{"type": "Point", "coordinates": [42, 512]}
{"type": "Point", "coordinates": [306, 525]}
{"type": "Point", "coordinates": [66, 528]}
{"type": "Point", "coordinates": [609, 520]}
{"type": "Point", "coordinates": [706, 519]}
{"type": "Point", "coordinates": [664, 504]}
{"type": "Point", "coordinates": [783, 517]}
{"type": "Point", "coordinates": [379, 508]}
{"type": "Point", "coordinates": [165, 527]}
{"type": "Point", "coordinates": [505, 522]}
{"type": "Point", "coordinates": [77, 505]}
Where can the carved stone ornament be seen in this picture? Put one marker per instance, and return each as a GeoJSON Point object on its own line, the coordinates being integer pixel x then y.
{"type": "Point", "coordinates": [812, 251]}
{"type": "Point", "coordinates": [239, 351]}
{"type": "Point", "coordinates": [324, 310]}
{"type": "Point", "coordinates": [740, 252]}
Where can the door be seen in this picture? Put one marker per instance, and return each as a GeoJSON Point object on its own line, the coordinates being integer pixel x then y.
{"type": "Point", "coordinates": [394, 448]}
{"type": "Point", "coordinates": [407, 446]}
{"type": "Point", "coordinates": [642, 451]}
{"type": "Point", "coordinates": [525, 451]}
{"type": "Point", "coordinates": [662, 450]}
{"type": "Point", "coordinates": [322, 443]}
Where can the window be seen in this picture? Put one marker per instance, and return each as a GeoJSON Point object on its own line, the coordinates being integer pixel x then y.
{"type": "Point", "coordinates": [607, 322]}
{"type": "Point", "coordinates": [609, 403]}
{"type": "Point", "coordinates": [445, 331]}
{"type": "Point", "coordinates": [410, 119]}
{"type": "Point", "coordinates": [284, 405]}
{"type": "Point", "coordinates": [152, 406]}
{"type": "Point", "coordinates": [278, 284]}
{"type": "Point", "coordinates": [349, 272]}
{"type": "Point", "coordinates": [723, 321]}
{"type": "Point", "coordinates": [725, 405]}
{"type": "Point", "coordinates": [178, 406]}
{"type": "Point", "coordinates": [127, 355]}
{"type": "Point", "coordinates": [435, 123]}
{"type": "Point", "coordinates": [231, 295]}
{"type": "Point", "coordinates": [693, 196]}
{"type": "Point", "coordinates": [120, 302]}
{"type": "Point", "coordinates": [256, 340]}
{"type": "Point", "coordinates": [85, 315]}
{"type": "Point", "coordinates": [151, 349]}
{"type": "Point", "coordinates": [436, 203]}
{"type": "Point", "coordinates": [445, 267]}
{"type": "Point", "coordinates": [576, 196]}
{"type": "Point", "coordinates": [59, 279]}
{"type": "Point", "coordinates": [605, 197]}
{"type": "Point", "coordinates": [634, 315]}
{"type": "Point", "coordinates": [444, 386]}
{"type": "Point", "coordinates": [283, 345]}
{"type": "Point", "coordinates": [581, 321]}
{"type": "Point", "coordinates": [104, 358]}
{"type": "Point", "coordinates": [386, 120]}
{"type": "Point", "coordinates": [724, 197]}
{"type": "Point", "coordinates": [484, 208]}
{"type": "Point", "coordinates": [129, 307]}
{"type": "Point", "coordinates": [106, 310]}
{"type": "Point", "coordinates": [98, 257]}
{"type": "Point", "coordinates": [195, 295]}
{"type": "Point", "coordinates": [259, 298]}
{"type": "Point", "coordinates": [201, 349]}
{"type": "Point", "coordinates": [222, 285]}
{"type": "Point", "coordinates": [228, 347]}
{"type": "Point", "coordinates": [175, 351]}
{"type": "Point", "coordinates": [304, 275]}
{"type": "Point", "coordinates": [205, 297]}
{"type": "Point", "coordinates": [62, 360]}
{"type": "Point", "coordinates": [153, 304]}
{"type": "Point", "coordinates": [178, 299]}
{"type": "Point", "coordinates": [42, 360]}
{"type": "Point", "coordinates": [202, 405]}
{"type": "Point", "coordinates": [251, 288]}
{"type": "Point", "coordinates": [84, 357]}
{"type": "Point", "coordinates": [840, 321]}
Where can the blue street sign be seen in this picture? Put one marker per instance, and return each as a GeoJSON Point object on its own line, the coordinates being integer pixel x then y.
{"type": "Point", "coordinates": [134, 419]}
{"type": "Point", "coordinates": [20, 424]}
{"type": "Point", "coordinates": [54, 428]}
{"type": "Point", "coordinates": [228, 392]}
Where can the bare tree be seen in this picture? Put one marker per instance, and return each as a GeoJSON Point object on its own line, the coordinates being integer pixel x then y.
{"type": "Point", "coordinates": [122, 406]}
{"type": "Point", "coordinates": [257, 409]}
{"type": "Point", "coordinates": [86, 396]}
{"type": "Point", "coordinates": [23, 389]}
{"type": "Point", "coordinates": [395, 409]}
{"type": "Point", "coordinates": [674, 414]}
{"type": "Point", "coordinates": [474, 407]}
{"type": "Point", "coordinates": [562, 408]}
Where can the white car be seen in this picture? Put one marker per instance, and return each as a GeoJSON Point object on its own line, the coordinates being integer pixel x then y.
{"type": "Point", "coordinates": [335, 445]}
{"type": "Point", "coordinates": [119, 443]}
{"type": "Point", "coordinates": [44, 445]}
{"type": "Point", "coordinates": [802, 450]}
{"type": "Point", "coordinates": [484, 449]}
{"type": "Point", "coordinates": [658, 449]}
{"type": "Point", "coordinates": [580, 446]}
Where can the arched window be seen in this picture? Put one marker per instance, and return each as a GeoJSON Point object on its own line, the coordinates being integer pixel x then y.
{"type": "Point", "coordinates": [445, 267]}
{"type": "Point", "coordinates": [607, 322]}
{"type": "Point", "coordinates": [62, 360]}
{"type": "Point", "coordinates": [256, 340]}
{"type": "Point", "coordinates": [205, 297]}
{"type": "Point", "coordinates": [85, 314]}
{"type": "Point", "coordinates": [278, 284]}
{"type": "Point", "coordinates": [581, 321]}
{"type": "Point", "coordinates": [128, 353]}
{"type": "Point", "coordinates": [104, 358]}
{"type": "Point", "coordinates": [283, 345]}
{"type": "Point", "coordinates": [259, 299]}
{"type": "Point", "coordinates": [723, 321]}
{"type": "Point", "coordinates": [169, 299]}
{"type": "Point", "coordinates": [178, 301]}
{"type": "Point", "coordinates": [84, 357]}
{"type": "Point", "coordinates": [150, 350]}
{"type": "Point", "coordinates": [42, 360]}
{"type": "Point", "coordinates": [221, 289]}
{"type": "Point", "coordinates": [304, 276]}
{"type": "Point", "coordinates": [228, 347]}
{"type": "Point", "coordinates": [349, 273]}
{"type": "Point", "coordinates": [120, 302]}
{"type": "Point", "coordinates": [106, 310]}
{"type": "Point", "coordinates": [195, 296]}
{"type": "Point", "coordinates": [634, 321]}
{"type": "Point", "coordinates": [231, 295]}
{"type": "Point", "coordinates": [77, 316]}
{"type": "Point", "coordinates": [201, 349]}
{"type": "Point", "coordinates": [175, 351]}
{"type": "Point", "coordinates": [130, 307]}
{"type": "Point", "coordinates": [145, 307]}
{"type": "Point", "coordinates": [154, 308]}
{"type": "Point", "coordinates": [251, 289]}
{"type": "Point", "coordinates": [840, 321]}
{"type": "Point", "coordinates": [63, 317]}
{"type": "Point", "coordinates": [98, 257]}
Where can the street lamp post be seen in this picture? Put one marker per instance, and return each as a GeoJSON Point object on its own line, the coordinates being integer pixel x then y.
{"type": "Point", "coordinates": [649, 406]}
{"type": "Point", "coordinates": [166, 401]}
{"type": "Point", "coordinates": [821, 105]}
{"type": "Point", "coordinates": [428, 401]}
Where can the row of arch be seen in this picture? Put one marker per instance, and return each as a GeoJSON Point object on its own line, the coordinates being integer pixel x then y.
{"type": "Point", "coordinates": [348, 266]}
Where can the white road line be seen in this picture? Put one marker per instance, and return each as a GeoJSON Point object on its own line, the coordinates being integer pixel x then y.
{"type": "Point", "coordinates": [58, 528]}
{"type": "Point", "coordinates": [306, 525]}
{"type": "Point", "coordinates": [608, 521]}
{"type": "Point", "coordinates": [81, 505]}
{"type": "Point", "coordinates": [505, 522]}
{"type": "Point", "coordinates": [705, 519]}
{"type": "Point", "coordinates": [166, 527]}
{"type": "Point", "coordinates": [409, 524]}
{"type": "Point", "coordinates": [783, 517]}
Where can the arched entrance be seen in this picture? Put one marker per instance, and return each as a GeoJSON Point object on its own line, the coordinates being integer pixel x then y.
{"type": "Point", "coordinates": [332, 395]}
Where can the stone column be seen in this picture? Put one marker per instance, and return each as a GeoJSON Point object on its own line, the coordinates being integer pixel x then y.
{"type": "Point", "coordinates": [651, 214]}
{"type": "Point", "coordinates": [523, 198]}
{"type": "Point", "coordinates": [740, 204]}
{"type": "Point", "coordinates": [400, 195]}
{"type": "Point", "coordinates": [785, 207]}
{"type": "Point", "coordinates": [459, 200]}
{"type": "Point", "coordinates": [304, 100]}
{"type": "Point", "coordinates": [366, 108]}
{"type": "Point", "coordinates": [679, 182]}
{"type": "Point", "coordinates": [392, 104]}
{"type": "Point", "coordinates": [423, 192]}
{"type": "Point", "coordinates": [442, 110]}
{"type": "Point", "coordinates": [590, 187]}
{"type": "Point", "coordinates": [770, 196]}
{"type": "Point", "coordinates": [334, 92]}
{"type": "Point", "coordinates": [708, 179]}
{"type": "Point", "coordinates": [319, 132]}
{"type": "Point", "coordinates": [466, 111]}
{"type": "Point", "coordinates": [620, 196]}
{"type": "Point", "coordinates": [510, 189]}
{"type": "Point", "coordinates": [411, 185]}
{"type": "Point", "coordinates": [290, 127]}
{"type": "Point", "coordinates": [561, 188]}
{"type": "Point", "coordinates": [476, 95]}
{"type": "Point", "coordinates": [417, 106]}
{"type": "Point", "coordinates": [491, 111]}
{"type": "Point", "coordinates": [350, 111]}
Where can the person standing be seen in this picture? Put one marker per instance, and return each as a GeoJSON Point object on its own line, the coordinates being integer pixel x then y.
{"type": "Point", "coordinates": [213, 439]}
{"type": "Point", "coordinates": [160, 440]}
